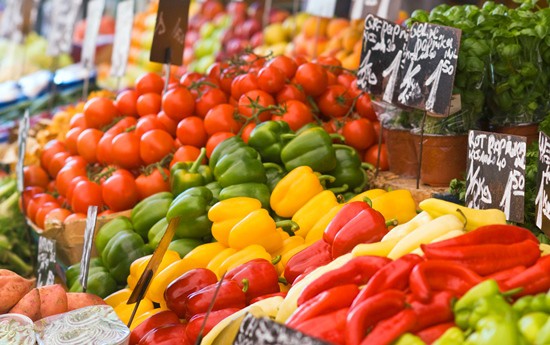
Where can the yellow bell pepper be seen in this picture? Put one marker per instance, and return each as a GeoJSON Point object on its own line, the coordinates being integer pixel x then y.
{"type": "Point", "coordinates": [226, 213]}
{"type": "Point", "coordinates": [474, 218]}
{"type": "Point", "coordinates": [370, 194]}
{"type": "Point", "coordinates": [256, 228]}
{"type": "Point", "coordinates": [204, 253]}
{"type": "Point", "coordinates": [124, 311]}
{"type": "Point", "coordinates": [316, 207]}
{"type": "Point", "coordinates": [375, 249]}
{"type": "Point", "coordinates": [316, 232]}
{"type": "Point", "coordinates": [139, 319]}
{"type": "Point", "coordinates": [425, 234]}
{"type": "Point", "coordinates": [168, 275]}
{"type": "Point", "coordinates": [139, 265]}
{"type": "Point", "coordinates": [294, 191]}
{"type": "Point", "coordinates": [398, 204]}
{"type": "Point", "coordinates": [544, 249]}
{"type": "Point", "coordinates": [253, 251]}
{"type": "Point", "coordinates": [118, 297]}
{"type": "Point", "coordinates": [215, 263]}
{"type": "Point", "coordinates": [284, 234]}
{"type": "Point", "coordinates": [288, 245]}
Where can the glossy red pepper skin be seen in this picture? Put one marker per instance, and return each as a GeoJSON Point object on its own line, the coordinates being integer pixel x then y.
{"type": "Point", "coordinates": [371, 311]}
{"type": "Point", "coordinates": [533, 280]}
{"type": "Point", "coordinates": [495, 234]}
{"type": "Point", "coordinates": [438, 310]}
{"type": "Point", "coordinates": [387, 331]}
{"type": "Point", "coordinates": [431, 334]}
{"type": "Point", "coordinates": [316, 255]}
{"type": "Point", "coordinates": [329, 327]}
{"type": "Point", "coordinates": [356, 271]}
{"type": "Point", "coordinates": [503, 276]}
{"type": "Point", "coordinates": [327, 301]}
{"type": "Point", "coordinates": [166, 335]}
{"type": "Point", "coordinates": [191, 281]}
{"type": "Point", "coordinates": [230, 295]}
{"type": "Point", "coordinates": [166, 317]}
{"type": "Point", "coordinates": [438, 275]}
{"type": "Point", "coordinates": [257, 277]}
{"type": "Point", "coordinates": [259, 298]}
{"type": "Point", "coordinates": [195, 324]}
{"type": "Point", "coordinates": [394, 275]}
{"type": "Point", "coordinates": [356, 223]}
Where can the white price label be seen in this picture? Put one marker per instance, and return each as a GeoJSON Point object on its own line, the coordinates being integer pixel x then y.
{"type": "Point", "coordinates": [123, 32]}
{"type": "Point", "coordinates": [93, 20]}
{"type": "Point", "coordinates": [24, 125]}
{"type": "Point", "coordinates": [88, 242]}
{"type": "Point", "coordinates": [63, 18]}
{"type": "Point", "coordinates": [321, 8]}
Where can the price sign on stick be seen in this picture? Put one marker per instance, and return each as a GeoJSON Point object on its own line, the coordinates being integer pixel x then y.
{"type": "Point", "coordinates": [329, 8]}
{"type": "Point", "coordinates": [170, 29]}
{"type": "Point", "coordinates": [381, 57]}
{"type": "Point", "coordinates": [24, 125]}
{"type": "Point", "coordinates": [542, 201]}
{"type": "Point", "coordinates": [17, 19]}
{"type": "Point", "coordinates": [45, 274]}
{"type": "Point", "coordinates": [123, 32]}
{"type": "Point", "coordinates": [93, 19]}
{"type": "Point", "coordinates": [496, 173]}
{"type": "Point", "coordinates": [427, 74]}
{"type": "Point", "coordinates": [387, 9]}
{"type": "Point", "coordinates": [63, 18]}
{"type": "Point", "coordinates": [87, 250]}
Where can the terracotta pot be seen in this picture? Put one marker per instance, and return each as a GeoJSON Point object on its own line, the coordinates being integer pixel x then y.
{"type": "Point", "coordinates": [401, 152]}
{"type": "Point", "coordinates": [529, 130]}
{"type": "Point", "coordinates": [443, 158]}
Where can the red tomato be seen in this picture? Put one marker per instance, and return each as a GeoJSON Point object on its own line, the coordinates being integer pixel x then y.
{"type": "Point", "coordinates": [125, 150]}
{"type": "Point", "coordinates": [335, 101]}
{"type": "Point", "coordinates": [148, 104]}
{"type": "Point", "coordinates": [87, 144]}
{"type": "Point", "coordinates": [331, 63]}
{"type": "Point", "coordinates": [26, 196]}
{"type": "Point", "coordinates": [247, 131]}
{"type": "Point", "coordinates": [287, 65]}
{"type": "Point", "coordinates": [57, 162]}
{"type": "Point", "coordinates": [290, 91]}
{"type": "Point", "coordinates": [126, 102]}
{"type": "Point", "coordinates": [222, 118]}
{"type": "Point", "coordinates": [363, 106]}
{"type": "Point", "coordinates": [85, 194]}
{"type": "Point", "coordinates": [43, 210]}
{"type": "Point", "coordinates": [57, 215]}
{"type": "Point", "coordinates": [36, 202]}
{"type": "Point", "coordinates": [76, 161]}
{"type": "Point", "coordinates": [185, 153]}
{"type": "Point", "coordinates": [346, 79]}
{"type": "Point", "coordinates": [215, 70]}
{"type": "Point", "coordinates": [74, 217]}
{"type": "Point", "coordinates": [252, 102]}
{"type": "Point", "coordinates": [312, 77]}
{"type": "Point", "coordinates": [191, 131]}
{"type": "Point", "coordinates": [104, 149]}
{"type": "Point", "coordinates": [72, 184]}
{"type": "Point", "coordinates": [372, 154]}
{"type": "Point", "coordinates": [155, 145]}
{"type": "Point", "coordinates": [99, 112]}
{"type": "Point", "coordinates": [149, 82]}
{"type": "Point", "coordinates": [209, 100]}
{"type": "Point", "coordinates": [119, 192]}
{"type": "Point", "coordinates": [215, 139]}
{"type": "Point", "coordinates": [71, 140]}
{"type": "Point", "coordinates": [243, 83]}
{"type": "Point", "coordinates": [50, 149]}
{"type": "Point", "coordinates": [78, 120]}
{"type": "Point", "coordinates": [189, 78]}
{"type": "Point", "coordinates": [178, 103]}
{"type": "Point", "coordinates": [148, 123]}
{"type": "Point", "coordinates": [153, 183]}
{"type": "Point", "coordinates": [34, 175]}
{"type": "Point", "coordinates": [359, 133]}
{"type": "Point", "coordinates": [271, 79]}
{"type": "Point", "coordinates": [296, 114]}
{"type": "Point", "coordinates": [331, 79]}
{"type": "Point", "coordinates": [169, 124]}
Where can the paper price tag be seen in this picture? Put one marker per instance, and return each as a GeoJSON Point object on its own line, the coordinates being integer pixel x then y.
{"type": "Point", "coordinates": [496, 173]}
{"type": "Point", "coordinates": [62, 21]}
{"type": "Point", "coordinates": [170, 29]}
{"type": "Point", "coordinates": [329, 8]}
{"type": "Point", "coordinates": [17, 19]}
{"type": "Point", "coordinates": [24, 125]}
{"type": "Point", "coordinates": [123, 32]}
{"type": "Point", "coordinates": [45, 274]}
{"type": "Point", "coordinates": [93, 19]}
{"type": "Point", "coordinates": [387, 9]}
{"type": "Point", "coordinates": [542, 201]}
{"type": "Point", "coordinates": [87, 249]}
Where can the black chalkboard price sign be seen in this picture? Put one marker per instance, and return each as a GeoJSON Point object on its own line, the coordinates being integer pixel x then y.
{"type": "Point", "coordinates": [46, 262]}
{"type": "Point", "coordinates": [496, 173]}
{"type": "Point", "coordinates": [381, 57]}
{"type": "Point", "coordinates": [264, 331]}
{"type": "Point", "coordinates": [170, 29]}
{"type": "Point", "coordinates": [429, 68]}
{"type": "Point", "coordinates": [329, 8]}
{"type": "Point", "coordinates": [542, 201]}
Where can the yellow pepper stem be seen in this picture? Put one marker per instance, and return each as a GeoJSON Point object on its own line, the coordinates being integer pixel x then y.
{"type": "Point", "coordinates": [287, 225]}
{"type": "Point", "coordinates": [276, 260]}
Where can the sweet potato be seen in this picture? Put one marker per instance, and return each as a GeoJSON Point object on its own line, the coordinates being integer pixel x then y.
{"type": "Point", "coordinates": [29, 305]}
{"type": "Point", "coordinates": [77, 300]}
{"type": "Point", "coordinates": [53, 300]}
{"type": "Point", "coordinates": [12, 288]}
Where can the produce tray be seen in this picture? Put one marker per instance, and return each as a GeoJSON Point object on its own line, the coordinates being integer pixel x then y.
{"type": "Point", "coordinates": [388, 180]}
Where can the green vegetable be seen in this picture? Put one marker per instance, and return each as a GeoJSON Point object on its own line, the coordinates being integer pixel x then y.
{"type": "Point", "coordinates": [149, 211]}
{"type": "Point", "coordinates": [121, 250]}
{"type": "Point", "coordinates": [109, 229]}
{"type": "Point", "coordinates": [192, 207]}
{"type": "Point", "coordinates": [242, 165]}
{"type": "Point", "coordinates": [184, 245]}
{"type": "Point", "coordinates": [254, 190]}
{"type": "Point", "coordinates": [184, 175]}
{"type": "Point", "coordinates": [312, 147]}
{"type": "Point", "coordinates": [267, 140]}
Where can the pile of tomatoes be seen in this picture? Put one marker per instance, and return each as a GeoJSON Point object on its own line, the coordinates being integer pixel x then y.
{"type": "Point", "coordinates": [118, 152]}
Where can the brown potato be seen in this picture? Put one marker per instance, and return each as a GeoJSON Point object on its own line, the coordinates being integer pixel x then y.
{"type": "Point", "coordinates": [12, 288]}
{"type": "Point", "coordinates": [53, 300]}
{"type": "Point", "coordinates": [29, 305]}
{"type": "Point", "coordinates": [77, 300]}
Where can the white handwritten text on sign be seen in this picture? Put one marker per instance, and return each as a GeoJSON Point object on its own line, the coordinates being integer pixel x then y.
{"type": "Point", "coordinates": [542, 200]}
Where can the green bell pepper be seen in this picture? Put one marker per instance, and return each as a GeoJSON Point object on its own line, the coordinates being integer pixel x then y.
{"type": "Point", "coordinates": [149, 211]}
{"type": "Point", "coordinates": [527, 304]}
{"type": "Point", "coordinates": [496, 304]}
{"type": "Point", "coordinates": [240, 166]}
{"type": "Point", "coordinates": [73, 272]}
{"type": "Point", "coordinates": [313, 147]}
{"type": "Point", "coordinates": [215, 188]}
{"type": "Point", "coordinates": [543, 336]}
{"type": "Point", "coordinates": [254, 190]}
{"type": "Point", "coordinates": [266, 139]}
{"type": "Point", "coordinates": [349, 170]}
{"type": "Point", "coordinates": [125, 247]}
{"type": "Point", "coordinates": [109, 229]}
{"type": "Point", "coordinates": [531, 324]}
{"type": "Point", "coordinates": [184, 175]}
{"type": "Point", "coordinates": [192, 207]}
{"type": "Point", "coordinates": [184, 245]}
{"type": "Point", "coordinates": [100, 282]}
{"type": "Point", "coordinates": [274, 173]}
{"type": "Point", "coordinates": [486, 288]}
{"type": "Point", "coordinates": [226, 146]}
{"type": "Point", "coordinates": [452, 336]}
{"type": "Point", "coordinates": [409, 339]}
{"type": "Point", "coordinates": [495, 329]}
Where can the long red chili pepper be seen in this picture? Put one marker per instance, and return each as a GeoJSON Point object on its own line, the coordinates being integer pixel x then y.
{"type": "Point", "coordinates": [387, 331]}
{"type": "Point", "coordinates": [495, 234]}
{"type": "Point", "coordinates": [431, 334]}
{"type": "Point", "coordinates": [503, 276]}
{"type": "Point", "coordinates": [438, 310]}
{"type": "Point", "coordinates": [533, 280]}
{"type": "Point", "coordinates": [329, 327]}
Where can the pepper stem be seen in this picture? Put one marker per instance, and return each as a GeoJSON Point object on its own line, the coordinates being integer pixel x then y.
{"type": "Point", "coordinates": [340, 189]}
{"type": "Point", "coordinates": [246, 285]}
{"type": "Point", "coordinates": [363, 184]}
{"type": "Point", "coordinates": [276, 260]}
{"type": "Point", "coordinates": [367, 166]}
{"type": "Point", "coordinates": [288, 136]}
{"type": "Point", "coordinates": [328, 178]}
{"type": "Point", "coordinates": [392, 222]}
{"type": "Point", "coordinates": [512, 292]}
{"type": "Point", "coordinates": [275, 166]}
{"type": "Point", "coordinates": [198, 161]}
{"type": "Point", "coordinates": [288, 224]}
{"type": "Point", "coordinates": [368, 201]}
{"type": "Point", "coordinates": [463, 216]}
{"type": "Point", "coordinates": [344, 147]}
{"type": "Point", "coordinates": [337, 137]}
{"type": "Point", "coordinates": [283, 281]}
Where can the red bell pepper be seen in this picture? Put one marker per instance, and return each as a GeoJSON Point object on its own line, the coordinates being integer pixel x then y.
{"type": "Point", "coordinates": [438, 310]}
{"type": "Point", "coordinates": [230, 295]}
{"type": "Point", "coordinates": [431, 334]}
{"type": "Point", "coordinates": [332, 299]}
{"type": "Point", "coordinates": [191, 281]}
{"type": "Point", "coordinates": [371, 311]}
{"type": "Point", "coordinates": [316, 255]}
{"type": "Point", "coordinates": [356, 271]}
{"type": "Point", "coordinates": [166, 317]}
{"type": "Point", "coordinates": [387, 331]}
{"type": "Point", "coordinates": [356, 223]}
{"type": "Point", "coordinates": [195, 324]}
{"type": "Point", "coordinates": [256, 278]}
{"type": "Point", "coordinates": [394, 275]}
{"type": "Point", "coordinates": [166, 335]}
{"type": "Point", "coordinates": [329, 327]}
{"type": "Point", "coordinates": [438, 275]}
{"type": "Point", "coordinates": [533, 280]}
{"type": "Point", "coordinates": [259, 298]}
